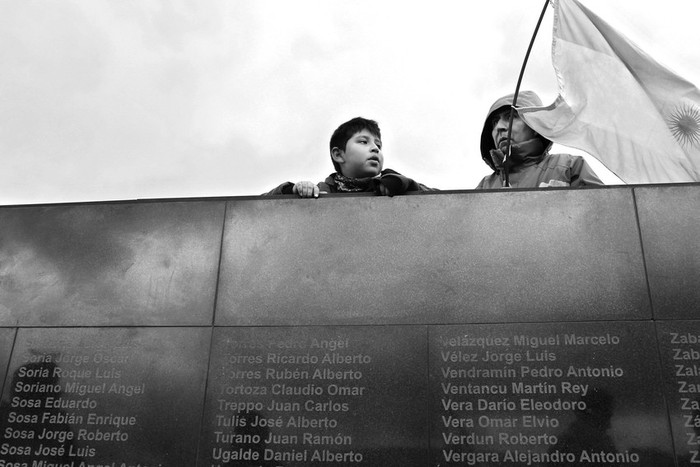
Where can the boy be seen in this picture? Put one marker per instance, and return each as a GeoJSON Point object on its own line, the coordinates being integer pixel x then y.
{"type": "Point", "coordinates": [356, 152]}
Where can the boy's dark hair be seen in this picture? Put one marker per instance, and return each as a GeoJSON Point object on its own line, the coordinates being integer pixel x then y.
{"type": "Point", "coordinates": [347, 130]}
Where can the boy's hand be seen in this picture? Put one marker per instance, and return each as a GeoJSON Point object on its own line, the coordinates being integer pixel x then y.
{"type": "Point", "coordinates": [306, 189]}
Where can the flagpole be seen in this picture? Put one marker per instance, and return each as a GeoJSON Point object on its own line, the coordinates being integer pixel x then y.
{"type": "Point", "coordinates": [506, 181]}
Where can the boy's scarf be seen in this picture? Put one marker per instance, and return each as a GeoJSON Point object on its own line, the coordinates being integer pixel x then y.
{"type": "Point", "coordinates": [349, 185]}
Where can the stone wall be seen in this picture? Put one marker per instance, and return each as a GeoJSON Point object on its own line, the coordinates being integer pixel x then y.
{"type": "Point", "coordinates": [549, 327]}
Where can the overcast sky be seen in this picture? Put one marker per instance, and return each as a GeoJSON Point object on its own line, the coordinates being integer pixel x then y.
{"type": "Point", "coordinates": [118, 99]}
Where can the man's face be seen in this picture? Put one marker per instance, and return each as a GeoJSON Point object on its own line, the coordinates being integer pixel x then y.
{"type": "Point", "coordinates": [362, 156]}
{"type": "Point", "coordinates": [519, 133]}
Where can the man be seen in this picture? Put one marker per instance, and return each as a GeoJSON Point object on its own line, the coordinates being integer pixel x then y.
{"type": "Point", "coordinates": [530, 164]}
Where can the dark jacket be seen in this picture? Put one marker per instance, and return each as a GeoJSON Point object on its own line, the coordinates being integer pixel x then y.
{"type": "Point", "coordinates": [396, 183]}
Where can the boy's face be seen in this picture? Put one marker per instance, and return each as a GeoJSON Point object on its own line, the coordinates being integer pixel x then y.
{"type": "Point", "coordinates": [362, 156]}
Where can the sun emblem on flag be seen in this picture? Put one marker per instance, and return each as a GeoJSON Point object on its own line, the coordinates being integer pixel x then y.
{"type": "Point", "coordinates": [684, 123]}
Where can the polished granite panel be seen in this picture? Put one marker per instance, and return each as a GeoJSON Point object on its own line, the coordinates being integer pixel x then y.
{"type": "Point", "coordinates": [463, 257]}
{"type": "Point", "coordinates": [679, 342]}
{"type": "Point", "coordinates": [128, 396]}
{"type": "Point", "coordinates": [110, 264]}
{"type": "Point", "coordinates": [315, 396]}
{"type": "Point", "coordinates": [670, 224]}
{"type": "Point", "coordinates": [529, 394]}
{"type": "Point", "coordinates": [7, 337]}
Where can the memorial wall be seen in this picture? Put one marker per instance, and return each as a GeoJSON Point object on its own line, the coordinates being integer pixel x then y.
{"type": "Point", "coordinates": [508, 328]}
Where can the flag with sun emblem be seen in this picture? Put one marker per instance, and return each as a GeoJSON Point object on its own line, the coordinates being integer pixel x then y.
{"type": "Point", "coordinates": [615, 102]}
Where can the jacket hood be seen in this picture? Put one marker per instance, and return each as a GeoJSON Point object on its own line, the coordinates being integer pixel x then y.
{"type": "Point", "coordinates": [525, 99]}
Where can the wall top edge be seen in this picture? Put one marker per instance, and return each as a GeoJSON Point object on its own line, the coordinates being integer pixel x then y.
{"type": "Point", "coordinates": [331, 195]}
